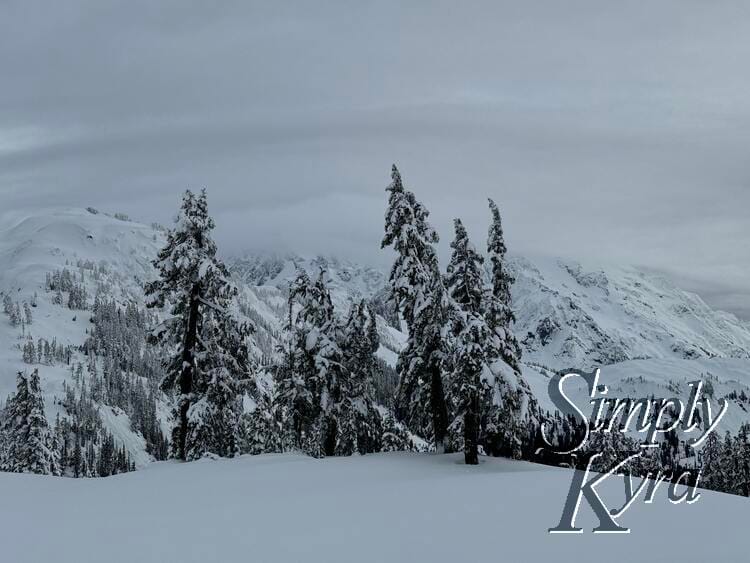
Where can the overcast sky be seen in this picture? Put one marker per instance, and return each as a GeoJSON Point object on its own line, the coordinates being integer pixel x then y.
{"type": "Point", "coordinates": [606, 130]}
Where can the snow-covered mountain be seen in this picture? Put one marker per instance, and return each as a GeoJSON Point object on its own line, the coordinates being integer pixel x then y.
{"type": "Point", "coordinates": [652, 336]}
{"type": "Point", "coordinates": [566, 315]}
{"type": "Point", "coordinates": [569, 315]}
{"type": "Point", "coordinates": [345, 278]}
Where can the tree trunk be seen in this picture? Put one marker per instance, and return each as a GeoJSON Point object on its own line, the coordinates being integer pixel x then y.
{"type": "Point", "coordinates": [186, 377]}
{"type": "Point", "coordinates": [439, 408]}
{"type": "Point", "coordinates": [329, 443]}
{"type": "Point", "coordinates": [471, 432]}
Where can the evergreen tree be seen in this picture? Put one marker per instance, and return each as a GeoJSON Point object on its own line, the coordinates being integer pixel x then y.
{"type": "Point", "coordinates": [262, 430]}
{"type": "Point", "coordinates": [395, 437]}
{"type": "Point", "coordinates": [294, 400]}
{"type": "Point", "coordinates": [741, 455]}
{"type": "Point", "coordinates": [29, 352]}
{"type": "Point", "coordinates": [712, 464]}
{"type": "Point", "coordinates": [207, 346]}
{"type": "Point", "coordinates": [310, 382]}
{"type": "Point", "coordinates": [29, 445]}
{"type": "Point", "coordinates": [467, 391]}
{"type": "Point", "coordinates": [510, 422]}
{"type": "Point", "coordinates": [417, 291]}
{"type": "Point", "coordinates": [215, 419]}
{"type": "Point", "coordinates": [360, 427]}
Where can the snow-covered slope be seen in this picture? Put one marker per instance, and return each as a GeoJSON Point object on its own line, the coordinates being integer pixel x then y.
{"type": "Point", "coordinates": [346, 280]}
{"type": "Point", "coordinates": [568, 315]}
{"type": "Point", "coordinates": [33, 246]}
{"type": "Point", "coordinates": [376, 508]}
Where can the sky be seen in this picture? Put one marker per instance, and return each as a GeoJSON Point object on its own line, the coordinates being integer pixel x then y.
{"type": "Point", "coordinates": [606, 130]}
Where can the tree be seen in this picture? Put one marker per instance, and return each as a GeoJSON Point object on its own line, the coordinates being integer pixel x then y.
{"type": "Point", "coordinates": [360, 425]}
{"type": "Point", "coordinates": [510, 421]}
{"type": "Point", "coordinates": [295, 396]}
{"type": "Point", "coordinates": [215, 419]}
{"type": "Point", "coordinates": [499, 312]}
{"type": "Point", "coordinates": [310, 381]}
{"type": "Point", "coordinates": [29, 442]}
{"type": "Point", "coordinates": [417, 291]}
{"type": "Point", "coordinates": [712, 465]}
{"type": "Point", "coordinates": [467, 391]}
{"type": "Point", "coordinates": [207, 352]}
{"type": "Point", "coordinates": [29, 352]}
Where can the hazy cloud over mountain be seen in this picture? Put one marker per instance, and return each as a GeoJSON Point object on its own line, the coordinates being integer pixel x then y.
{"type": "Point", "coordinates": [606, 130]}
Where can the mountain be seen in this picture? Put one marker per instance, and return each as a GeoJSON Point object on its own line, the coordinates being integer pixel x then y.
{"type": "Point", "coordinates": [345, 278]}
{"type": "Point", "coordinates": [568, 315]}
{"type": "Point", "coordinates": [651, 336]}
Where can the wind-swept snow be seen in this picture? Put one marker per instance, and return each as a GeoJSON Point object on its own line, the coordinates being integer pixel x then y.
{"type": "Point", "coordinates": [378, 508]}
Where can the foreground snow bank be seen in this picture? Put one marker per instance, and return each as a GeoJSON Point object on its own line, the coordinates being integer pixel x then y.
{"type": "Point", "coordinates": [378, 508]}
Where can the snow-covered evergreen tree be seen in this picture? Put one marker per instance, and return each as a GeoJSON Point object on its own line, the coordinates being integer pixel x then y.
{"type": "Point", "coordinates": [207, 350]}
{"type": "Point", "coordinates": [310, 380]}
{"type": "Point", "coordinates": [262, 430]}
{"type": "Point", "coordinates": [28, 440]}
{"type": "Point", "coordinates": [713, 469]}
{"type": "Point", "coordinates": [510, 423]}
{"type": "Point", "coordinates": [360, 427]}
{"type": "Point", "coordinates": [215, 419]}
{"type": "Point", "coordinates": [417, 290]}
{"type": "Point", "coordinates": [294, 398]}
{"type": "Point", "coordinates": [498, 310]}
{"type": "Point", "coordinates": [467, 391]}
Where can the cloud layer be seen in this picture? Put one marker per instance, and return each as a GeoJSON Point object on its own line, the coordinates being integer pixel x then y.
{"type": "Point", "coordinates": [606, 130]}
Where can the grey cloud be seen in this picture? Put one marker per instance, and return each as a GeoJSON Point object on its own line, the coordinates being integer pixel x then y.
{"type": "Point", "coordinates": [605, 130]}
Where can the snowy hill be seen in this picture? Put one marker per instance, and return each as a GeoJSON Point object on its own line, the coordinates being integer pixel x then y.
{"type": "Point", "coordinates": [35, 246]}
{"type": "Point", "coordinates": [654, 336]}
{"type": "Point", "coordinates": [375, 508]}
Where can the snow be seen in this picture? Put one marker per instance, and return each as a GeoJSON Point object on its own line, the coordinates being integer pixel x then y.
{"type": "Point", "coordinates": [378, 508]}
{"type": "Point", "coordinates": [571, 315]}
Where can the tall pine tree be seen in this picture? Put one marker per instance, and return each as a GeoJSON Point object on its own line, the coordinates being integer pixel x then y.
{"type": "Point", "coordinates": [510, 422]}
{"type": "Point", "coordinates": [207, 352]}
{"type": "Point", "coordinates": [417, 290]}
{"type": "Point", "coordinates": [28, 440]}
{"type": "Point", "coordinates": [467, 391]}
{"type": "Point", "coordinates": [310, 381]}
{"type": "Point", "coordinates": [360, 425]}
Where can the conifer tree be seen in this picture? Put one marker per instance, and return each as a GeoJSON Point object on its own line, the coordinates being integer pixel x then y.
{"type": "Point", "coordinates": [310, 383]}
{"type": "Point", "coordinates": [417, 291]}
{"type": "Point", "coordinates": [215, 418]}
{"type": "Point", "coordinates": [467, 390]}
{"type": "Point", "coordinates": [294, 399]}
{"type": "Point", "coordinates": [360, 427]}
{"type": "Point", "coordinates": [498, 311]}
{"type": "Point", "coordinates": [29, 445]}
{"type": "Point", "coordinates": [510, 421]}
{"type": "Point", "coordinates": [712, 465]}
{"type": "Point", "coordinates": [208, 352]}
